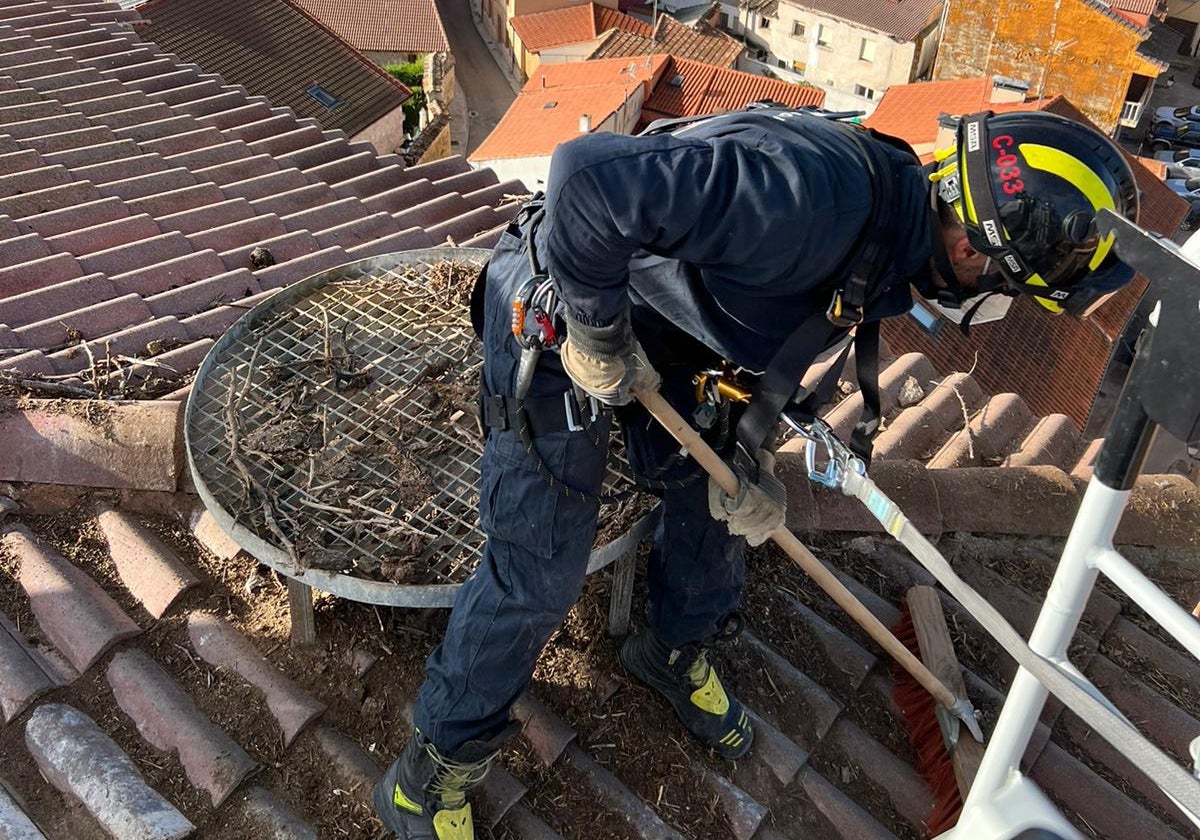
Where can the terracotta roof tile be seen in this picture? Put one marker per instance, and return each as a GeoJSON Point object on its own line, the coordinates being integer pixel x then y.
{"type": "Point", "coordinates": [1136, 7]}
{"type": "Point", "coordinates": [906, 20]}
{"type": "Point", "coordinates": [790, 752]}
{"type": "Point", "coordinates": [230, 37]}
{"type": "Point", "coordinates": [705, 89]}
{"type": "Point", "coordinates": [168, 718]}
{"type": "Point", "coordinates": [541, 30]}
{"type": "Point", "coordinates": [700, 43]}
{"type": "Point", "coordinates": [607, 19]}
{"type": "Point", "coordinates": [74, 753]}
{"type": "Point", "coordinates": [911, 111]}
{"type": "Point", "coordinates": [573, 25]}
{"type": "Point", "coordinates": [383, 25]}
{"type": "Point", "coordinates": [245, 173]}
{"type": "Point", "coordinates": [548, 108]}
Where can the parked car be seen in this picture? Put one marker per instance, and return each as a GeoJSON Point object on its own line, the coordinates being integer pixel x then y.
{"type": "Point", "coordinates": [1189, 190]}
{"type": "Point", "coordinates": [1179, 172]}
{"type": "Point", "coordinates": [1176, 116]}
{"type": "Point", "coordinates": [1179, 157]}
{"type": "Point", "coordinates": [1163, 137]}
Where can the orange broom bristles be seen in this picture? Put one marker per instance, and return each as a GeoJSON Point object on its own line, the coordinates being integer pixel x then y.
{"type": "Point", "coordinates": [934, 761]}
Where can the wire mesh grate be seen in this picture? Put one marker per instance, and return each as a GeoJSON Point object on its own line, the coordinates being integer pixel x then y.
{"type": "Point", "coordinates": [335, 424]}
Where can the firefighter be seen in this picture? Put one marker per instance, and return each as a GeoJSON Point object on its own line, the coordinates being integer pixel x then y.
{"type": "Point", "coordinates": [753, 239]}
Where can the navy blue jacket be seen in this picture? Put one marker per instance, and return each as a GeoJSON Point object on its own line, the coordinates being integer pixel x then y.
{"type": "Point", "coordinates": [732, 229]}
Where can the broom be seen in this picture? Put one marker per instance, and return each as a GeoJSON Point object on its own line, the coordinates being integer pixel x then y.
{"type": "Point", "coordinates": [955, 706]}
{"type": "Point", "coordinates": [947, 756]}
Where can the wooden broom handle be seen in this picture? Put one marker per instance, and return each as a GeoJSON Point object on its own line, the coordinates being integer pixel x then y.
{"type": "Point", "coordinates": [670, 419]}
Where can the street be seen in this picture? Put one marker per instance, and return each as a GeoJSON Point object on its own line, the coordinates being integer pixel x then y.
{"type": "Point", "coordinates": [481, 83]}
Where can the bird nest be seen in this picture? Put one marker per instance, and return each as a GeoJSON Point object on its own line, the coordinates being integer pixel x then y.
{"type": "Point", "coordinates": [333, 429]}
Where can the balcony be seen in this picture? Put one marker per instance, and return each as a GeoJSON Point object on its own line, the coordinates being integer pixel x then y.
{"type": "Point", "coordinates": [759, 62]}
{"type": "Point", "coordinates": [1136, 98]}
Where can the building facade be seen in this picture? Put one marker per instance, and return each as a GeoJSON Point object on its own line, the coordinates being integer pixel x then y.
{"type": "Point", "coordinates": [1080, 49]}
{"type": "Point", "coordinates": [853, 51]}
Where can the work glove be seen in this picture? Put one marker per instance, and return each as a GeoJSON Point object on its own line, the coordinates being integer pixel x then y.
{"type": "Point", "coordinates": [760, 505]}
{"type": "Point", "coordinates": [607, 362]}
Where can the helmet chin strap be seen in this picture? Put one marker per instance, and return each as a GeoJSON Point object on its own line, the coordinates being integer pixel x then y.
{"type": "Point", "coordinates": [955, 294]}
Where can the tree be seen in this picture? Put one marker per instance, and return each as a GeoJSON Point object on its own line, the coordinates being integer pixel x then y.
{"type": "Point", "coordinates": [412, 74]}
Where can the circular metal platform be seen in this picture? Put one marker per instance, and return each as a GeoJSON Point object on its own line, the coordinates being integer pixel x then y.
{"type": "Point", "coordinates": [331, 431]}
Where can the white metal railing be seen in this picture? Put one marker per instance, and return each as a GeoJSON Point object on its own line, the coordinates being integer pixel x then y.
{"type": "Point", "coordinates": [1131, 113]}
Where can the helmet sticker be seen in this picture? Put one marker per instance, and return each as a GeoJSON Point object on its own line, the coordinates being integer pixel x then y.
{"type": "Point", "coordinates": [992, 231]}
{"type": "Point", "coordinates": [972, 137]}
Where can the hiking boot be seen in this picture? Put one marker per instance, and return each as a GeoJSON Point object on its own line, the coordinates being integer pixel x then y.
{"type": "Point", "coordinates": [692, 687]}
{"type": "Point", "coordinates": [423, 795]}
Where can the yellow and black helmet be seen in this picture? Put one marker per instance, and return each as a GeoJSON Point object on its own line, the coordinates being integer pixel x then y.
{"type": "Point", "coordinates": [1027, 186]}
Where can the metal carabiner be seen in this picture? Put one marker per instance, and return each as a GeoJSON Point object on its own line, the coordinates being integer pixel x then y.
{"type": "Point", "coordinates": [840, 461]}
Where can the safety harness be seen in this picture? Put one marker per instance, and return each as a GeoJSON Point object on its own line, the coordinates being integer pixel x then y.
{"type": "Point", "coordinates": [858, 277]}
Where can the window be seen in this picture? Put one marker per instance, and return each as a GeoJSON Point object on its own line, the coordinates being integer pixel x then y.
{"type": "Point", "coordinates": [764, 23]}
{"type": "Point", "coordinates": [866, 92]}
{"type": "Point", "coordinates": [760, 55]}
{"type": "Point", "coordinates": [723, 20]}
{"type": "Point", "coordinates": [866, 52]}
{"type": "Point", "coordinates": [323, 96]}
{"type": "Point", "coordinates": [799, 67]}
{"type": "Point", "coordinates": [797, 29]}
{"type": "Point", "coordinates": [781, 63]}
{"type": "Point", "coordinates": [824, 35]}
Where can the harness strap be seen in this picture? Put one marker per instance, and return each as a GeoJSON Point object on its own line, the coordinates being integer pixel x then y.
{"type": "Point", "coordinates": [777, 386]}
{"type": "Point", "coordinates": [543, 415]}
{"type": "Point", "coordinates": [860, 272]}
{"type": "Point", "coordinates": [866, 360]}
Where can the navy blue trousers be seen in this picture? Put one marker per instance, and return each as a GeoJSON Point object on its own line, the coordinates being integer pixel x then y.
{"type": "Point", "coordinates": [539, 539]}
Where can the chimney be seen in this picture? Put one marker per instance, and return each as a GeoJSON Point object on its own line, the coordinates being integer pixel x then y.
{"type": "Point", "coordinates": [585, 123]}
{"type": "Point", "coordinates": [1005, 89]}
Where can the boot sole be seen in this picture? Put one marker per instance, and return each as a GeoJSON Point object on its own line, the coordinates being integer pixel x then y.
{"type": "Point", "coordinates": [720, 749]}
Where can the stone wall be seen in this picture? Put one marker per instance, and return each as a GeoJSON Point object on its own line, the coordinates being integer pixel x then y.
{"type": "Point", "coordinates": [1070, 48]}
{"type": "Point", "coordinates": [432, 142]}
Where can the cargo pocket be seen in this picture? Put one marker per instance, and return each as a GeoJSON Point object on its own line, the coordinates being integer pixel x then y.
{"type": "Point", "coordinates": [518, 505]}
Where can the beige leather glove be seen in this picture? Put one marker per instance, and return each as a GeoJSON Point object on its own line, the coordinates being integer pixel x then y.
{"type": "Point", "coordinates": [760, 507]}
{"type": "Point", "coordinates": [607, 362]}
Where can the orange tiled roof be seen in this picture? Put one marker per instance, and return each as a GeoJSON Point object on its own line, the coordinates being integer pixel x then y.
{"type": "Point", "coordinates": [704, 43]}
{"type": "Point", "coordinates": [706, 89]}
{"type": "Point", "coordinates": [382, 25]}
{"type": "Point", "coordinates": [575, 24]}
{"type": "Point", "coordinates": [548, 108]}
{"type": "Point", "coordinates": [911, 111]}
{"type": "Point", "coordinates": [607, 19]}
{"type": "Point", "coordinates": [1128, 12]}
{"type": "Point", "coordinates": [1158, 167]}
